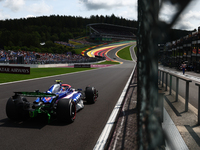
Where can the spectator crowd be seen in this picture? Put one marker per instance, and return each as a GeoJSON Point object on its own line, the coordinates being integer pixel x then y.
{"type": "Point", "coordinates": [11, 56]}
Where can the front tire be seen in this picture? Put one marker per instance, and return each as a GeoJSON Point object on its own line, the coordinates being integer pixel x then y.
{"type": "Point", "coordinates": [91, 94]}
{"type": "Point", "coordinates": [66, 110]}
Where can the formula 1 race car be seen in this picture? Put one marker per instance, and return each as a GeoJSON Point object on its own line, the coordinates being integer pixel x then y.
{"type": "Point", "coordinates": [61, 100]}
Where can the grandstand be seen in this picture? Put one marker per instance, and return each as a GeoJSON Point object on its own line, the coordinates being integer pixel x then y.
{"type": "Point", "coordinates": [109, 32]}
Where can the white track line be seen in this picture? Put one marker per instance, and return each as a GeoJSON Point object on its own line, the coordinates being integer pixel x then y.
{"type": "Point", "coordinates": [120, 127]}
{"type": "Point", "coordinates": [100, 145]}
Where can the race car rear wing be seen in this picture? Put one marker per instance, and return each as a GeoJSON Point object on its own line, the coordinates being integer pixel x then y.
{"type": "Point", "coordinates": [34, 94]}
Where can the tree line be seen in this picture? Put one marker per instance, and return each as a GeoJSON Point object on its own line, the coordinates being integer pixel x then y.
{"type": "Point", "coordinates": [28, 33]}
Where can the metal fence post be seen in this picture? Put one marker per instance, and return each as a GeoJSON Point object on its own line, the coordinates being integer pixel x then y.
{"type": "Point", "coordinates": [187, 95]}
{"type": "Point", "coordinates": [160, 75]}
{"type": "Point", "coordinates": [161, 105]}
{"type": "Point", "coordinates": [199, 107]}
{"type": "Point", "coordinates": [198, 102]}
{"type": "Point", "coordinates": [166, 79]}
{"type": "Point", "coordinates": [162, 78]}
{"type": "Point", "coordinates": [170, 89]}
{"type": "Point", "coordinates": [177, 83]}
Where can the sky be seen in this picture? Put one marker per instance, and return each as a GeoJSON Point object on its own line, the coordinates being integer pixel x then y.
{"type": "Point", "coordinates": [15, 9]}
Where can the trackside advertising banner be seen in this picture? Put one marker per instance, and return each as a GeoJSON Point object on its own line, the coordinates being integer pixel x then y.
{"type": "Point", "coordinates": [82, 66]}
{"type": "Point", "coordinates": [15, 69]}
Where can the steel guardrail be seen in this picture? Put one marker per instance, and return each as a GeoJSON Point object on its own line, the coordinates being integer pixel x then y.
{"type": "Point", "coordinates": [177, 85]}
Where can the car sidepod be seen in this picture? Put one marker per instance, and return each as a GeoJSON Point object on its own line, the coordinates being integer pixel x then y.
{"type": "Point", "coordinates": [78, 101]}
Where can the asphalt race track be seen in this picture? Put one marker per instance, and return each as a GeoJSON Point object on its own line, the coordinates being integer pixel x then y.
{"type": "Point", "coordinates": [84, 132]}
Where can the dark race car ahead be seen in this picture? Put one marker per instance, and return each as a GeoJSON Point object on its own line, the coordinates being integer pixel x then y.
{"type": "Point", "coordinates": [61, 100]}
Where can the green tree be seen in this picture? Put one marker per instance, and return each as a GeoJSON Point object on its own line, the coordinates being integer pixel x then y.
{"type": "Point", "coordinates": [35, 39]}
{"type": "Point", "coordinates": [54, 37]}
{"type": "Point", "coordinates": [6, 36]}
{"type": "Point", "coordinates": [49, 44]}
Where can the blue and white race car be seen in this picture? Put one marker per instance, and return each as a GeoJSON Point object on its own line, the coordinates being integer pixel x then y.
{"type": "Point", "coordinates": [61, 100]}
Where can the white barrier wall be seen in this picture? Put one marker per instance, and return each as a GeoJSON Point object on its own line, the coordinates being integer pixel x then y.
{"type": "Point", "coordinates": [36, 65]}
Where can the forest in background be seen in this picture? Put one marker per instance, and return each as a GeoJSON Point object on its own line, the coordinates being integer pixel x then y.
{"type": "Point", "coordinates": [27, 33]}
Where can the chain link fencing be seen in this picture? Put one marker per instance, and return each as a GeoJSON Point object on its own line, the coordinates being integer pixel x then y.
{"type": "Point", "coordinates": [151, 32]}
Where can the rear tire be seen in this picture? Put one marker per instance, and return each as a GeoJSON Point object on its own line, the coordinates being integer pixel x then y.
{"type": "Point", "coordinates": [15, 109]}
{"type": "Point", "coordinates": [66, 110]}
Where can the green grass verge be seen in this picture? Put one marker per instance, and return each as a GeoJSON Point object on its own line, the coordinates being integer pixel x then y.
{"type": "Point", "coordinates": [125, 53]}
{"type": "Point", "coordinates": [37, 73]}
{"type": "Point", "coordinates": [43, 72]}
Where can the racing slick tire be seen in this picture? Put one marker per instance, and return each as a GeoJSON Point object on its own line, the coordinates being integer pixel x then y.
{"type": "Point", "coordinates": [91, 94]}
{"type": "Point", "coordinates": [15, 109]}
{"type": "Point", "coordinates": [66, 110]}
